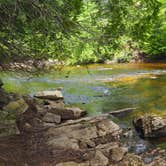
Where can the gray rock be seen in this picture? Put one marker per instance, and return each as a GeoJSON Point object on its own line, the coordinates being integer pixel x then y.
{"type": "Point", "coordinates": [130, 160]}
{"type": "Point", "coordinates": [16, 107]}
{"type": "Point", "coordinates": [1, 83]}
{"type": "Point", "coordinates": [117, 153]}
{"type": "Point", "coordinates": [53, 95]}
{"type": "Point", "coordinates": [86, 130]}
{"type": "Point", "coordinates": [99, 159]}
{"type": "Point", "coordinates": [73, 164]}
{"type": "Point", "coordinates": [67, 113]}
{"type": "Point", "coordinates": [52, 118]}
{"type": "Point", "coordinates": [150, 126]}
{"type": "Point", "coordinates": [54, 103]}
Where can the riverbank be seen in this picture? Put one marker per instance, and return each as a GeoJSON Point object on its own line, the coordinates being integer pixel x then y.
{"type": "Point", "coordinates": [49, 133]}
{"type": "Point", "coordinates": [37, 65]}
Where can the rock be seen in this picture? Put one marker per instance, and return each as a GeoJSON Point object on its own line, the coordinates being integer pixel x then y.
{"type": "Point", "coordinates": [52, 118]}
{"type": "Point", "coordinates": [73, 164]}
{"type": "Point", "coordinates": [158, 162]}
{"type": "Point", "coordinates": [8, 128]}
{"type": "Point", "coordinates": [16, 107]}
{"type": "Point", "coordinates": [130, 160]}
{"type": "Point", "coordinates": [86, 144]}
{"type": "Point", "coordinates": [99, 159]}
{"type": "Point", "coordinates": [67, 113]}
{"type": "Point", "coordinates": [122, 112]}
{"type": "Point", "coordinates": [46, 140]}
{"type": "Point", "coordinates": [53, 95]}
{"type": "Point", "coordinates": [150, 126]}
{"type": "Point", "coordinates": [117, 154]}
{"type": "Point", "coordinates": [106, 148]}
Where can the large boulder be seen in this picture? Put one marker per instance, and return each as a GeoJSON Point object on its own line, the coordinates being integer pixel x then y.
{"type": "Point", "coordinates": [150, 126]}
{"type": "Point", "coordinates": [122, 112]}
{"type": "Point", "coordinates": [50, 94]}
{"type": "Point", "coordinates": [130, 160]}
{"type": "Point", "coordinates": [9, 114]}
{"type": "Point", "coordinates": [54, 103]}
{"type": "Point", "coordinates": [89, 132]}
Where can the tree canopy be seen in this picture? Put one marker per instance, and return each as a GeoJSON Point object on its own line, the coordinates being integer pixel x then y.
{"type": "Point", "coordinates": [81, 31]}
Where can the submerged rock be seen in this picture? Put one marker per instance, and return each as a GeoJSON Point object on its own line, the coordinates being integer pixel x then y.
{"type": "Point", "coordinates": [73, 134]}
{"type": "Point", "coordinates": [53, 95]}
{"type": "Point", "coordinates": [150, 126]}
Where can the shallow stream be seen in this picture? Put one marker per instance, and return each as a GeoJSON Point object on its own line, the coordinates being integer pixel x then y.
{"type": "Point", "coordinates": [100, 88]}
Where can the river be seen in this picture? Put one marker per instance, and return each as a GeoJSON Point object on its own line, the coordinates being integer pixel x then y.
{"type": "Point", "coordinates": [100, 88]}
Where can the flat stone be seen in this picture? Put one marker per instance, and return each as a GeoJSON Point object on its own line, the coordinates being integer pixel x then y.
{"type": "Point", "coordinates": [99, 159]}
{"type": "Point", "coordinates": [122, 112]}
{"type": "Point", "coordinates": [67, 113]}
{"type": "Point", "coordinates": [53, 95]}
{"type": "Point", "coordinates": [150, 126]}
{"type": "Point", "coordinates": [117, 153]}
{"type": "Point", "coordinates": [52, 118]}
{"type": "Point", "coordinates": [83, 132]}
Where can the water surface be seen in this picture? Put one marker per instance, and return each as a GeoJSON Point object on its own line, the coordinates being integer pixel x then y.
{"type": "Point", "coordinates": [100, 88]}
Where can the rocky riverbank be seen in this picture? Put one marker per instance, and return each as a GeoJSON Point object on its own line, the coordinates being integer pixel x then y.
{"type": "Point", "coordinates": [47, 133]}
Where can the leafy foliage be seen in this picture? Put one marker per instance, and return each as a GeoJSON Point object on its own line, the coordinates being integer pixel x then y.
{"type": "Point", "coordinates": [81, 31]}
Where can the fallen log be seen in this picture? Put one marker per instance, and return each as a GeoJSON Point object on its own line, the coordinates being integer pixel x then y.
{"type": "Point", "coordinates": [122, 112]}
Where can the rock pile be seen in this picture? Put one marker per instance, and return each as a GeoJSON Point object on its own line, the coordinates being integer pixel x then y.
{"type": "Point", "coordinates": [54, 135]}
{"type": "Point", "coordinates": [66, 137]}
{"type": "Point", "coordinates": [150, 126]}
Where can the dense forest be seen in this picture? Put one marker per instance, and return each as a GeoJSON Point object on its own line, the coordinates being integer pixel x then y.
{"type": "Point", "coordinates": [82, 82]}
{"type": "Point", "coordinates": [82, 31]}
